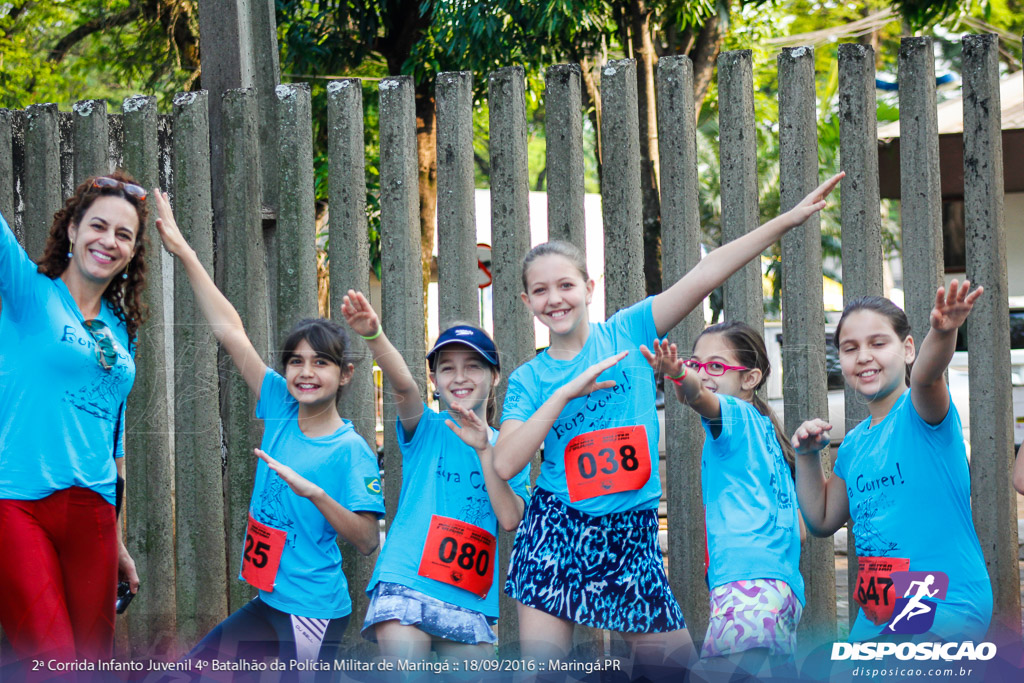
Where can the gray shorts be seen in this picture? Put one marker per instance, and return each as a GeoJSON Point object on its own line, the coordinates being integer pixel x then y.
{"type": "Point", "coordinates": [392, 601]}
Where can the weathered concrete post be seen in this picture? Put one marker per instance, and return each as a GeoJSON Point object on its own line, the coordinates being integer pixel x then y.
{"type": "Point", "coordinates": [42, 195]}
{"type": "Point", "coordinates": [402, 278]}
{"type": "Point", "coordinates": [66, 135]}
{"type": "Point", "coordinates": [861, 220]}
{"type": "Point", "coordinates": [201, 569]}
{"type": "Point", "coordinates": [510, 235]}
{"type": "Point", "coordinates": [149, 455]}
{"type": "Point", "coordinates": [803, 320]}
{"type": "Point", "coordinates": [620, 187]}
{"type": "Point", "coordinates": [245, 285]}
{"type": "Point", "coordinates": [994, 505]}
{"type": "Point", "coordinates": [295, 237]}
{"type": "Point", "coordinates": [92, 136]}
{"type": "Point", "coordinates": [681, 237]}
{"type": "Point", "coordinates": [563, 130]}
{"type": "Point", "coordinates": [920, 188]}
{"type": "Point", "coordinates": [349, 260]}
{"type": "Point", "coordinates": [458, 297]}
{"type": "Point", "coordinates": [738, 161]}
{"type": "Point", "coordinates": [7, 166]}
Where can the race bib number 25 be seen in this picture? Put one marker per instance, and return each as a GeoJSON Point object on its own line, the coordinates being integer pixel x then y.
{"type": "Point", "coordinates": [261, 556]}
{"type": "Point", "coordinates": [607, 461]}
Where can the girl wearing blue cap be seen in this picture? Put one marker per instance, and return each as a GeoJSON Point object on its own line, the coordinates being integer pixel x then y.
{"type": "Point", "coordinates": [587, 552]}
{"type": "Point", "coordinates": [435, 583]}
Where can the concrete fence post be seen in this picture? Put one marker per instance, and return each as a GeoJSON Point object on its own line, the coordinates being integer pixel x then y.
{"type": "Point", "coordinates": [149, 454]}
{"type": "Point", "coordinates": [402, 277]}
{"type": "Point", "coordinates": [7, 177]}
{"type": "Point", "coordinates": [620, 186]}
{"type": "Point", "coordinates": [294, 250]}
{"type": "Point", "coordinates": [803, 319]}
{"type": "Point", "coordinates": [563, 131]}
{"type": "Point", "coordinates": [42, 182]}
{"type": "Point", "coordinates": [458, 297]}
{"type": "Point", "coordinates": [920, 189]}
{"type": "Point", "coordinates": [92, 139]}
{"type": "Point", "coordinates": [744, 299]}
{"type": "Point", "coordinates": [861, 220]}
{"type": "Point", "coordinates": [201, 560]}
{"type": "Point", "coordinates": [66, 134]}
{"type": "Point", "coordinates": [994, 505]}
{"type": "Point", "coordinates": [243, 262]}
{"type": "Point", "coordinates": [348, 252]}
{"type": "Point", "coordinates": [684, 438]}
{"type": "Point", "coordinates": [510, 235]}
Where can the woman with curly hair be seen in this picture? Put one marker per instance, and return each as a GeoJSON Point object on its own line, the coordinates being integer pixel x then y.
{"type": "Point", "coordinates": [68, 329]}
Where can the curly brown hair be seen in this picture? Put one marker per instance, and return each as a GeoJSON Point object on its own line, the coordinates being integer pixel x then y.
{"type": "Point", "coordinates": [123, 295]}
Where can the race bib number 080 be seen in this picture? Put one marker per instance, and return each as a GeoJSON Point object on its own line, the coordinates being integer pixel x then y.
{"type": "Point", "coordinates": [607, 461]}
{"type": "Point", "coordinates": [459, 554]}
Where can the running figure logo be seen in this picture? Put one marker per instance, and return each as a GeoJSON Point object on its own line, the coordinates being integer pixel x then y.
{"type": "Point", "coordinates": [914, 613]}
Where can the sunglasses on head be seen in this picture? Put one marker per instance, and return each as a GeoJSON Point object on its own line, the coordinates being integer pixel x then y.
{"type": "Point", "coordinates": [107, 183]}
{"type": "Point", "coordinates": [106, 354]}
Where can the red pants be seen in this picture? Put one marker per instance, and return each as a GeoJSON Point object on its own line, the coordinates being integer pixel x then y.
{"type": "Point", "coordinates": [58, 570]}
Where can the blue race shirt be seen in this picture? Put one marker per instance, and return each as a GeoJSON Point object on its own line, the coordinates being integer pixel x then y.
{"type": "Point", "coordinates": [749, 500]}
{"type": "Point", "coordinates": [440, 476]}
{"type": "Point", "coordinates": [630, 402]}
{"type": "Point", "coordinates": [59, 410]}
{"type": "Point", "coordinates": [309, 582]}
{"type": "Point", "coordinates": [910, 497]}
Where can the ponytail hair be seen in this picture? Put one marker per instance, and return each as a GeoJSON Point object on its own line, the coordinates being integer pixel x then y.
{"type": "Point", "coordinates": [751, 352]}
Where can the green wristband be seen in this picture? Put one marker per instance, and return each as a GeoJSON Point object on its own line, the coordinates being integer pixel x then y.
{"type": "Point", "coordinates": [678, 379]}
{"type": "Point", "coordinates": [380, 330]}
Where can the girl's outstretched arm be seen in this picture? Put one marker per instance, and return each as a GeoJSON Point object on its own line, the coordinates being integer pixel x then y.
{"type": "Point", "coordinates": [928, 388]}
{"type": "Point", "coordinates": [672, 305]}
{"type": "Point", "coordinates": [218, 311]}
{"type": "Point", "coordinates": [689, 389]}
{"type": "Point", "coordinates": [508, 507]}
{"type": "Point", "coordinates": [825, 505]}
{"type": "Point", "coordinates": [358, 528]}
{"type": "Point", "coordinates": [361, 317]}
{"type": "Point", "coordinates": [519, 441]}
{"type": "Point", "coordinates": [1018, 471]}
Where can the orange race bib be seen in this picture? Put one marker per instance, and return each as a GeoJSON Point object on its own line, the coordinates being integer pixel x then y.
{"type": "Point", "coordinates": [262, 554]}
{"type": "Point", "coordinates": [607, 461]}
{"type": "Point", "coordinates": [459, 554]}
{"type": "Point", "coordinates": [874, 591]}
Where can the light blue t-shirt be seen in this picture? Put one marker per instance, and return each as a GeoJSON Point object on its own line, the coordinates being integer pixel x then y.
{"type": "Point", "coordinates": [309, 581]}
{"type": "Point", "coordinates": [630, 402]}
{"type": "Point", "coordinates": [749, 500]}
{"type": "Point", "coordinates": [910, 497]}
{"type": "Point", "coordinates": [440, 476]}
{"type": "Point", "coordinates": [59, 410]}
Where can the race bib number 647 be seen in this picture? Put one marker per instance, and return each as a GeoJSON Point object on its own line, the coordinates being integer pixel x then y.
{"type": "Point", "coordinates": [607, 461]}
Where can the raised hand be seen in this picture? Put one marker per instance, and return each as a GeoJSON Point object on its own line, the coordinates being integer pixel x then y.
{"type": "Point", "coordinates": [815, 201]}
{"type": "Point", "coordinates": [174, 242]}
{"type": "Point", "coordinates": [300, 485]}
{"type": "Point", "coordinates": [586, 382]}
{"type": "Point", "coordinates": [359, 314]}
{"type": "Point", "coordinates": [664, 359]}
{"type": "Point", "coordinates": [473, 431]}
{"type": "Point", "coordinates": [811, 437]}
{"type": "Point", "coordinates": [953, 305]}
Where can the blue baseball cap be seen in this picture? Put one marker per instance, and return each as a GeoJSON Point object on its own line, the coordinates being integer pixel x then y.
{"type": "Point", "coordinates": [467, 336]}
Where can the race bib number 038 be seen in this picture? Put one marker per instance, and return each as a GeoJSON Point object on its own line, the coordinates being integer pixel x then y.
{"type": "Point", "coordinates": [459, 554]}
{"type": "Point", "coordinates": [262, 554]}
{"type": "Point", "coordinates": [607, 461]}
{"type": "Point", "coordinates": [874, 591]}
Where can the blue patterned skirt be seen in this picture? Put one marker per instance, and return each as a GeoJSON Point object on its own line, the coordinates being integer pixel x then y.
{"type": "Point", "coordinates": [605, 572]}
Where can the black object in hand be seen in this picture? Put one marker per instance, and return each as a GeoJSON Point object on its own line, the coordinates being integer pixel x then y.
{"type": "Point", "coordinates": [124, 596]}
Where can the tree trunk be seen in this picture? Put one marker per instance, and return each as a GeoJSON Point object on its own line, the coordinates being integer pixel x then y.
{"type": "Point", "coordinates": [646, 58]}
{"type": "Point", "coordinates": [703, 57]}
{"type": "Point", "coordinates": [426, 148]}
